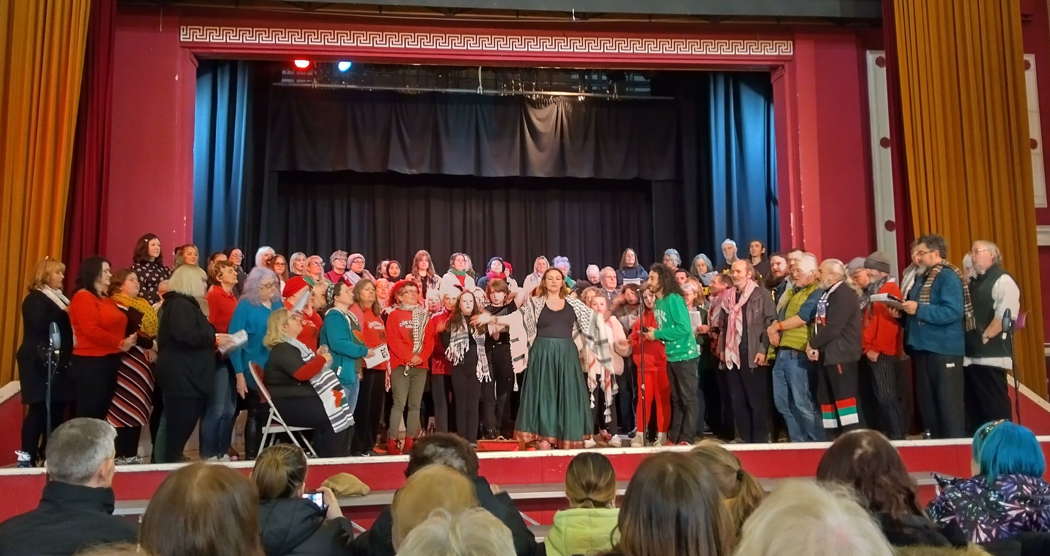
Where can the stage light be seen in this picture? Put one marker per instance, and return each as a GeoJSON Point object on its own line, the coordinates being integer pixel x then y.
{"type": "Point", "coordinates": [302, 64]}
{"type": "Point", "coordinates": [344, 65]}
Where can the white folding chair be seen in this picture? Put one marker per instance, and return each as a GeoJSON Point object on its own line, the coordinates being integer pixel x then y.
{"type": "Point", "coordinates": [275, 424]}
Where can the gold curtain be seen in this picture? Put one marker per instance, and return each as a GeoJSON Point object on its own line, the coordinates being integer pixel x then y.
{"type": "Point", "coordinates": [41, 58]}
{"type": "Point", "coordinates": [966, 142]}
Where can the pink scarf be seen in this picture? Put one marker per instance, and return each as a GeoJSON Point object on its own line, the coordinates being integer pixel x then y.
{"type": "Point", "coordinates": [735, 323]}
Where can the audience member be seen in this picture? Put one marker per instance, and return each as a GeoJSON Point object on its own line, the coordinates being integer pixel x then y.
{"type": "Point", "coordinates": [802, 518]}
{"type": "Point", "coordinates": [203, 509]}
{"type": "Point", "coordinates": [76, 508]}
{"type": "Point", "coordinates": [866, 461]}
{"type": "Point", "coordinates": [939, 312]}
{"type": "Point", "coordinates": [433, 487]}
{"type": "Point", "coordinates": [452, 451]}
{"type": "Point", "coordinates": [472, 532]}
{"type": "Point", "coordinates": [588, 526]}
{"type": "Point", "coordinates": [672, 506]}
{"type": "Point", "coordinates": [292, 525]}
{"type": "Point", "coordinates": [740, 492]}
{"type": "Point", "coordinates": [988, 357]}
{"type": "Point", "coordinates": [1007, 496]}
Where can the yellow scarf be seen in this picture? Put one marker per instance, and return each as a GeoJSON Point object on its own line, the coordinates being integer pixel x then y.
{"type": "Point", "coordinates": [149, 315]}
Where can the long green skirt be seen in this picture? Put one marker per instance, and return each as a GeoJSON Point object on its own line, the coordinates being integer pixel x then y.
{"type": "Point", "coordinates": [554, 400]}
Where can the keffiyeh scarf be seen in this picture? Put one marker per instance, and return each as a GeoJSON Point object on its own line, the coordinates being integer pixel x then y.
{"type": "Point", "coordinates": [733, 306]}
{"type": "Point", "coordinates": [927, 287]}
{"type": "Point", "coordinates": [420, 317]}
{"type": "Point", "coordinates": [459, 344]}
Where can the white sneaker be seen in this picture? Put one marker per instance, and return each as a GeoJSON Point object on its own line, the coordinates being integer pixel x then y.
{"type": "Point", "coordinates": [661, 439]}
{"type": "Point", "coordinates": [23, 459]}
{"type": "Point", "coordinates": [638, 441]}
{"type": "Point", "coordinates": [589, 443]}
{"type": "Point", "coordinates": [615, 441]}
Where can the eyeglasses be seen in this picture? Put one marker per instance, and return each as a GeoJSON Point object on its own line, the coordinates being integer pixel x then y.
{"type": "Point", "coordinates": [267, 285]}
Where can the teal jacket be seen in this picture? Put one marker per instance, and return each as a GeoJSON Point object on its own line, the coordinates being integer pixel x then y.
{"type": "Point", "coordinates": [582, 531]}
{"type": "Point", "coordinates": [339, 335]}
{"type": "Point", "coordinates": [674, 329]}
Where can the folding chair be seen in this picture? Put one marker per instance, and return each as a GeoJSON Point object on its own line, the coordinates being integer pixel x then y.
{"type": "Point", "coordinates": [275, 424]}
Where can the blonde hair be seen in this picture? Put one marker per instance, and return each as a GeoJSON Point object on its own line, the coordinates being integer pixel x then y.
{"type": "Point", "coordinates": [279, 471]}
{"type": "Point", "coordinates": [275, 327]}
{"type": "Point", "coordinates": [804, 518]}
{"type": "Point", "coordinates": [590, 481]}
{"type": "Point", "coordinates": [740, 491]}
{"type": "Point", "coordinates": [474, 532]}
{"type": "Point", "coordinates": [44, 270]}
{"type": "Point", "coordinates": [432, 487]}
{"type": "Point", "coordinates": [189, 280]}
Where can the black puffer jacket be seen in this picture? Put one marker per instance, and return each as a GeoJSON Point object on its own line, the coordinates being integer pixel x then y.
{"type": "Point", "coordinates": [296, 527]}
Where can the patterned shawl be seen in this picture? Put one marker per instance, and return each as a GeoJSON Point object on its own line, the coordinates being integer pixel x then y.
{"type": "Point", "coordinates": [420, 317]}
{"type": "Point", "coordinates": [733, 305]}
{"type": "Point", "coordinates": [459, 344]}
{"type": "Point", "coordinates": [927, 287]}
{"type": "Point", "coordinates": [150, 323]}
{"type": "Point", "coordinates": [590, 338]}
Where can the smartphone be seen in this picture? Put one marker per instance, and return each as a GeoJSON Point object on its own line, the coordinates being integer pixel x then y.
{"type": "Point", "coordinates": [317, 498]}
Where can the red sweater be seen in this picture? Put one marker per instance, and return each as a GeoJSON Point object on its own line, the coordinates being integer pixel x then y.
{"type": "Point", "coordinates": [654, 352]}
{"type": "Point", "coordinates": [399, 338]}
{"type": "Point", "coordinates": [881, 331]}
{"type": "Point", "coordinates": [98, 325]}
{"type": "Point", "coordinates": [439, 364]}
{"type": "Point", "coordinates": [373, 331]}
{"type": "Point", "coordinates": [220, 308]}
{"type": "Point", "coordinates": [311, 334]}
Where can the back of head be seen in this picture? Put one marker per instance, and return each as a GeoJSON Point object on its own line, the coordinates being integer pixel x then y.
{"type": "Point", "coordinates": [1009, 449]}
{"type": "Point", "coordinates": [446, 449]}
{"type": "Point", "coordinates": [740, 491]}
{"type": "Point", "coordinates": [672, 506]}
{"type": "Point", "coordinates": [189, 280]}
{"type": "Point", "coordinates": [432, 487]}
{"type": "Point", "coordinates": [802, 518]}
{"type": "Point", "coordinates": [113, 549]}
{"type": "Point", "coordinates": [279, 471]}
{"type": "Point", "coordinates": [866, 461]}
{"type": "Point", "coordinates": [590, 481]}
{"type": "Point", "coordinates": [473, 532]}
{"type": "Point", "coordinates": [203, 509]}
{"type": "Point", "coordinates": [78, 448]}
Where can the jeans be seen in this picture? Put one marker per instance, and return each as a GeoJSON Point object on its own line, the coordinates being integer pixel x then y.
{"type": "Point", "coordinates": [217, 424]}
{"type": "Point", "coordinates": [793, 397]}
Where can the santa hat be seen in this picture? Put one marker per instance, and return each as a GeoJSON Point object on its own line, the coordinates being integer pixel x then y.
{"type": "Point", "coordinates": [295, 284]}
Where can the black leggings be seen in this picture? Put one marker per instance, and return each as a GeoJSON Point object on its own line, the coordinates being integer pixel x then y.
{"type": "Point", "coordinates": [180, 417]}
{"type": "Point", "coordinates": [35, 423]}
{"type": "Point", "coordinates": [369, 408]}
{"type": "Point", "coordinates": [497, 397]}
{"type": "Point", "coordinates": [94, 379]}
{"type": "Point", "coordinates": [128, 441]}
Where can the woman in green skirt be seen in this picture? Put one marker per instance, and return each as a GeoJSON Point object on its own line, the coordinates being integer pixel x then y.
{"type": "Point", "coordinates": [555, 400]}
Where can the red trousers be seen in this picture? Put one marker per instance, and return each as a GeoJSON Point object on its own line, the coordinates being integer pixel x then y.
{"type": "Point", "coordinates": [654, 388]}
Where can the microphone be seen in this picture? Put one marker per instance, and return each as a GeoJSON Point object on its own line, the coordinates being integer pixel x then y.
{"type": "Point", "coordinates": [55, 338]}
{"type": "Point", "coordinates": [1008, 323]}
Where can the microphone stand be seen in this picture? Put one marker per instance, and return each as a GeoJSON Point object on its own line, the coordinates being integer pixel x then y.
{"type": "Point", "coordinates": [1008, 339]}
{"type": "Point", "coordinates": [52, 369]}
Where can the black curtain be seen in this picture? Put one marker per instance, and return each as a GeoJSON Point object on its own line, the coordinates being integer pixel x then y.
{"type": "Point", "coordinates": [391, 215]}
{"type": "Point", "coordinates": [387, 173]}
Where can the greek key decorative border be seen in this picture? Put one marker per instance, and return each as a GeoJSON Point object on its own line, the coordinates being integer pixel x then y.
{"type": "Point", "coordinates": [413, 40]}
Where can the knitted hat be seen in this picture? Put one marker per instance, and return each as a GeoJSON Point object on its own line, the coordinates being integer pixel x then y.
{"type": "Point", "coordinates": [345, 484]}
{"type": "Point", "coordinates": [855, 264]}
{"type": "Point", "coordinates": [354, 256]}
{"type": "Point", "coordinates": [877, 261]}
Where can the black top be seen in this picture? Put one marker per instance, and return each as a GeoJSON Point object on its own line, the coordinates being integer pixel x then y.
{"type": "Point", "coordinates": [555, 324]}
{"type": "Point", "coordinates": [839, 338]}
{"type": "Point", "coordinates": [377, 541]}
{"type": "Point", "coordinates": [296, 527]}
{"type": "Point", "coordinates": [470, 358]}
{"type": "Point", "coordinates": [38, 312]}
{"type": "Point", "coordinates": [150, 275]}
{"type": "Point", "coordinates": [185, 365]}
{"type": "Point", "coordinates": [279, 374]}
{"type": "Point", "coordinates": [69, 518]}
{"type": "Point", "coordinates": [504, 336]}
